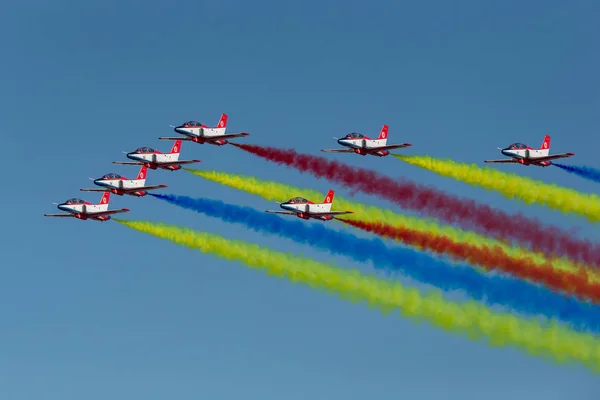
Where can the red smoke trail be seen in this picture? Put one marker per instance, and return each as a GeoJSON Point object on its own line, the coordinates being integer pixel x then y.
{"type": "Point", "coordinates": [466, 213]}
{"type": "Point", "coordinates": [490, 258]}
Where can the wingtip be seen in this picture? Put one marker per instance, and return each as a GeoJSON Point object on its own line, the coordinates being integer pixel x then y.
{"type": "Point", "coordinates": [126, 209]}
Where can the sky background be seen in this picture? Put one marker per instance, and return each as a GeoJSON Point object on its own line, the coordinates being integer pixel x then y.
{"type": "Point", "coordinates": [90, 310]}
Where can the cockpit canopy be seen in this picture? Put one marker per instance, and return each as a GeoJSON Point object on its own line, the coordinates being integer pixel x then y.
{"type": "Point", "coordinates": [192, 124]}
{"type": "Point", "coordinates": [517, 146]}
{"type": "Point", "coordinates": [74, 200]}
{"type": "Point", "coordinates": [112, 176]}
{"type": "Point", "coordinates": [298, 200]}
{"type": "Point", "coordinates": [144, 150]}
{"type": "Point", "coordinates": [354, 135]}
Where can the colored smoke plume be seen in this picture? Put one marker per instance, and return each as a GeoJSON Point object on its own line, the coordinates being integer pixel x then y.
{"type": "Point", "coordinates": [513, 186]}
{"type": "Point", "coordinates": [474, 321]}
{"type": "Point", "coordinates": [432, 202]}
{"type": "Point", "coordinates": [490, 258]}
{"type": "Point", "coordinates": [588, 173]}
{"type": "Point", "coordinates": [272, 191]}
{"type": "Point", "coordinates": [519, 295]}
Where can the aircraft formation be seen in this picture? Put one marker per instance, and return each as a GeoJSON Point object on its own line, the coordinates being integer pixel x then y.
{"type": "Point", "coordinates": [149, 158]}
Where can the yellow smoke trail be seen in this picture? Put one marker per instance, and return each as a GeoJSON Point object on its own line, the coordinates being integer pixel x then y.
{"type": "Point", "coordinates": [513, 186]}
{"type": "Point", "coordinates": [271, 190]}
{"type": "Point", "coordinates": [470, 319]}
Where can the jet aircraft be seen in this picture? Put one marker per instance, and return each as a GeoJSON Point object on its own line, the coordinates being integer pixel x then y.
{"type": "Point", "coordinates": [154, 159]}
{"type": "Point", "coordinates": [120, 185]}
{"type": "Point", "coordinates": [81, 209]}
{"type": "Point", "coordinates": [306, 209]}
{"type": "Point", "coordinates": [525, 155]}
{"type": "Point", "coordinates": [363, 145]}
{"type": "Point", "coordinates": [200, 133]}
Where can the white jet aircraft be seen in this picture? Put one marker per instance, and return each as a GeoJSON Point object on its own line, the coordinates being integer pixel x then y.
{"type": "Point", "coordinates": [120, 185]}
{"type": "Point", "coordinates": [306, 209]}
{"type": "Point", "coordinates": [363, 145]}
{"type": "Point", "coordinates": [200, 133]}
{"type": "Point", "coordinates": [81, 209]}
{"type": "Point", "coordinates": [525, 155]}
{"type": "Point", "coordinates": [154, 159]}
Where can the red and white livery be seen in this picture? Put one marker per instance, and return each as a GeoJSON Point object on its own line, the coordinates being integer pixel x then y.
{"type": "Point", "coordinates": [306, 209]}
{"type": "Point", "coordinates": [363, 145]}
{"type": "Point", "coordinates": [520, 153]}
{"type": "Point", "coordinates": [81, 209]}
{"type": "Point", "coordinates": [154, 159]}
{"type": "Point", "coordinates": [200, 133]}
{"type": "Point", "coordinates": [120, 185]}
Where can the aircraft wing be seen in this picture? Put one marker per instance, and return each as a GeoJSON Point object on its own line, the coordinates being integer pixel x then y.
{"type": "Point", "coordinates": [390, 147]}
{"type": "Point", "coordinates": [554, 156]}
{"type": "Point", "coordinates": [128, 162]}
{"type": "Point", "coordinates": [330, 213]}
{"type": "Point", "coordinates": [281, 212]}
{"type": "Point", "coordinates": [59, 215]}
{"type": "Point", "coordinates": [184, 162]}
{"type": "Point", "coordinates": [511, 160]}
{"type": "Point", "coordinates": [109, 212]}
{"type": "Point", "coordinates": [337, 151]}
{"type": "Point", "coordinates": [175, 138]}
{"type": "Point", "coordinates": [226, 136]}
{"type": "Point", "coordinates": [96, 190]}
{"type": "Point", "coordinates": [145, 188]}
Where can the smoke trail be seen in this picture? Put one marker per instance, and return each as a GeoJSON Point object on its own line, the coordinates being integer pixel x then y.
{"type": "Point", "coordinates": [271, 190]}
{"type": "Point", "coordinates": [509, 292]}
{"type": "Point", "coordinates": [513, 185]}
{"type": "Point", "coordinates": [588, 173]}
{"type": "Point", "coordinates": [428, 200]}
{"type": "Point", "coordinates": [472, 320]}
{"type": "Point", "coordinates": [490, 258]}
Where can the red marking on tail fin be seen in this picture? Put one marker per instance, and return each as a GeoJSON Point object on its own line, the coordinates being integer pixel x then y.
{"type": "Point", "coordinates": [142, 173]}
{"type": "Point", "coordinates": [176, 147]}
{"type": "Point", "coordinates": [105, 198]}
{"type": "Point", "coordinates": [384, 132]}
{"type": "Point", "coordinates": [546, 143]}
{"type": "Point", "coordinates": [329, 197]}
{"type": "Point", "coordinates": [223, 121]}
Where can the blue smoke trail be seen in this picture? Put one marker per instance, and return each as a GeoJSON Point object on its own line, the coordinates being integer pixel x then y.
{"type": "Point", "coordinates": [588, 173]}
{"type": "Point", "coordinates": [510, 292]}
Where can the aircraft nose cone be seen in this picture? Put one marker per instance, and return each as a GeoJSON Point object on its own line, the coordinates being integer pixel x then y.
{"type": "Point", "coordinates": [61, 206]}
{"type": "Point", "coordinates": [340, 141]}
{"type": "Point", "coordinates": [96, 181]}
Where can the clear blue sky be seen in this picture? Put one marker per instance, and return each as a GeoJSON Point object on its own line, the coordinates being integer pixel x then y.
{"type": "Point", "coordinates": [96, 311]}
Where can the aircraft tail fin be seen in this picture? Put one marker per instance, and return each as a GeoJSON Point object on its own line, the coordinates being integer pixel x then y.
{"type": "Point", "coordinates": [545, 145]}
{"type": "Point", "coordinates": [328, 200]}
{"type": "Point", "coordinates": [176, 147]}
{"type": "Point", "coordinates": [383, 134]}
{"type": "Point", "coordinates": [223, 121]}
{"type": "Point", "coordinates": [142, 173]}
{"type": "Point", "coordinates": [105, 199]}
